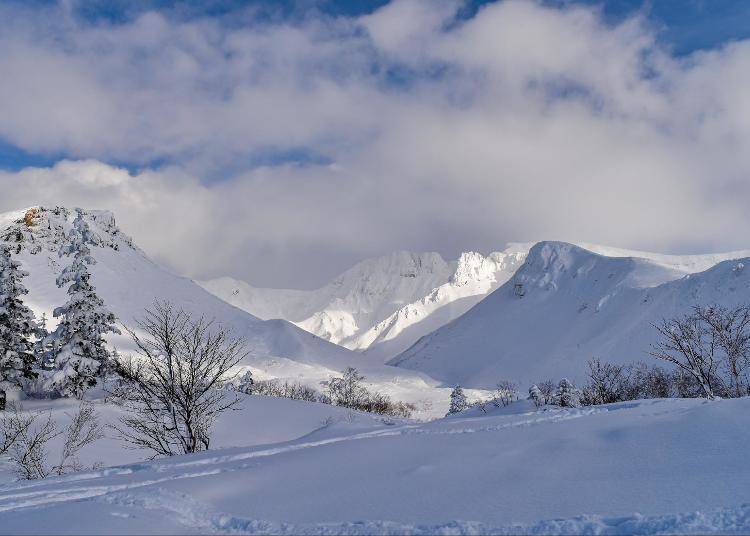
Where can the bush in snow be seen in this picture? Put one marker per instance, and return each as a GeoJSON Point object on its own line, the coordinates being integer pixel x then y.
{"type": "Point", "coordinates": [505, 393]}
{"type": "Point", "coordinates": [286, 389]}
{"type": "Point", "coordinates": [172, 391]}
{"type": "Point", "coordinates": [17, 327]}
{"type": "Point", "coordinates": [382, 404]}
{"type": "Point", "coordinates": [458, 401]}
{"type": "Point", "coordinates": [78, 345]}
{"type": "Point", "coordinates": [548, 389]}
{"type": "Point", "coordinates": [731, 331]}
{"type": "Point", "coordinates": [650, 382]}
{"type": "Point", "coordinates": [347, 390]}
{"type": "Point", "coordinates": [567, 395]}
{"type": "Point", "coordinates": [607, 383]}
{"type": "Point", "coordinates": [536, 396]}
{"type": "Point", "coordinates": [704, 342]}
{"type": "Point", "coordinates": [243, 383]}
{"type": "Point", "coordinates": [25, 437]}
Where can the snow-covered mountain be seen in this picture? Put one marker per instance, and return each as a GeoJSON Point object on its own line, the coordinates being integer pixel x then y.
{"type": "Point", "coordinates": [383, 305]}
{"type": "Point", "coordinates": [566, 305]}
{"type": "Point", "coordinates": [129, 282]}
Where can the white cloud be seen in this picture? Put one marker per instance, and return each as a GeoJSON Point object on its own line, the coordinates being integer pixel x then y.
{"type": "Point", "coordinates": [523, 122]}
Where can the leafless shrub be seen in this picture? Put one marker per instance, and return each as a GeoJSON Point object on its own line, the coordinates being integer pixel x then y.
{"type": "Point", "coordinates": [649, 382]}
{"type": "Point", "coordinates": [731, 329]}
{"type": "Point", "coordinates": [608, 382]}
{"type": "Point", "coordinates": [84, 429]}
{"type": "Point", "coordinates": [547, 388]}
{"type": "Point", "coordinates": [13, 424]}
{"type": "Point", "coordinates": [691, 344]}
{"type": "Point", "coordinates": [505, 393]}
{"type": "Point", "coordinates": [31, 432]}
{"type": "Point", "coordinates": [348, 391]}
{"type": "Point", "coordinates": [29, 452]}
{"type": "Point", "coordinates": [171, 390]}
{"type": "Point", "coordinates": [286, 389]}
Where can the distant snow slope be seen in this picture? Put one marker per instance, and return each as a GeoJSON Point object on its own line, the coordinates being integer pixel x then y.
{"type": "Point", "coordinates": [129, 282]}
{"type": "Point", "coordinates": [382, 306]}
{"type": "Point", "coordinates": [643, 467]}
{"type": "Point", "coordinates": [566, 305]}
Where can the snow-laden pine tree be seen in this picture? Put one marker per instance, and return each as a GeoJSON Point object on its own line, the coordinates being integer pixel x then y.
{"type": "Point", "coordinates": [567, 394]}
{"type": "Point", "coordinates": [17, 326]}
{"type": "Point", "coordinates": [536, 396]}
{"type": "Point", "coordinates": [245, 383]}
{"type": "Point", "coordinates": [79, 348]}
{"type": "Point", "coordinates": [458, 400]}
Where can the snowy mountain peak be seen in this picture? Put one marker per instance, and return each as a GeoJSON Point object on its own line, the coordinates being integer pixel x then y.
{"type": "Point", "coordinates": [372, 276]}
{"type": "Point", "coordinates": [388, 301]}
{"type": "Point", "coordinates": [475, 267]}
{"type": "Point", "coordinates": [42, 229]}
{"type": "Point", "coordinates": [567, 304]}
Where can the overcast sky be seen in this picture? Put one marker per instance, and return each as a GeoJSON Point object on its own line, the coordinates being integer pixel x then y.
{"type": "Point", "coordinates": [282, 142]}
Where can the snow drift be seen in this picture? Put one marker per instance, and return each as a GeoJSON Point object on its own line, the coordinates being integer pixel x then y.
{"type": "Point", "coordinates": [645, 467]}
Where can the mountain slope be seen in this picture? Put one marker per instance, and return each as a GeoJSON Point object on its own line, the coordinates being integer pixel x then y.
{"type": "Point", "coordinates": [382, 305]}
{"type": "Point", "coordinates": [129, 282]}
{"type": "Point", "coordinates": [564, 306]}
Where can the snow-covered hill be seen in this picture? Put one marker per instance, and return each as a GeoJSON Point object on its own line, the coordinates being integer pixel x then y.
{"type": "Point", "coordinates": [566, 305]}
{"type": "Point", "coordinates": [129, 282]}
{"type": "Point", "coordinates": [642, 467]}
{"type": "Point", "coordinates": [381, 305]}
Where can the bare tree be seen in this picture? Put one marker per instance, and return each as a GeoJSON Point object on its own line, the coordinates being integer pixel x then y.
{"type": "Point", "coordinates": [347, 390]}
{"type": "Point", "coordinates": [83, 430]}
{"type": "Point", "coordinates": [171, 388]}
{"type": "Point", "coordinates": [29, 452]}
{"type": "Point", "coordinates": [732, 331]}
{"type": "Point", "coordinates": [547, 388]}
{"type": "Point", "coordinates": [31, 432]}
{"type": "Point", "coordinates": [607, 382]}
{"type": "Point", "coordinates": [506, 392]}
{"type": "Point", "coordinates": [13, 424]}
{"type": "Point", "coordinates": [690, 344]}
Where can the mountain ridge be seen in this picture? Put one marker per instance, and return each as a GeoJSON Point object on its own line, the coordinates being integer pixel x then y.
{"type": "Point", "coordinates": [347, 312]}
{"type": "Point", "coordinates": [566, 305]}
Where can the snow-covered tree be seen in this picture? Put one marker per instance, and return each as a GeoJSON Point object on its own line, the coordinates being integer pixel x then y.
{"type": "Point", "coordinates": [245, 383]}
{"type": "Point", "coordinates": [567, 394]}
{"type": "Point", "coordinates": [17, 326]}
{"type": "Point", "coordinates": [78, 344]}
{"type": "Point", "coordinates": [348, 390]}
{"type": "Point", "coordinates": [536, 396]}
{"type": "Point", "coordinates": [458, 400]}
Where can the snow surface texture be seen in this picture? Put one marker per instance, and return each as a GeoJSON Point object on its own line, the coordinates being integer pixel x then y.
{"type": "Point", "coordinates": [129, 282]}
{"type": "Point", "coordinates": [382, 306]}
{"type": "Point", "coordinates": [646, 467]}
{"type": "Point", "coordinates": [566, 305]}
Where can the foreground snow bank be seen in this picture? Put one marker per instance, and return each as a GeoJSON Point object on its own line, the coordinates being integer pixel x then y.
{"type": "Point", "coordinates": [589, 469]}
